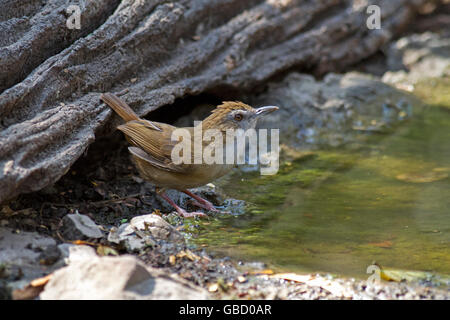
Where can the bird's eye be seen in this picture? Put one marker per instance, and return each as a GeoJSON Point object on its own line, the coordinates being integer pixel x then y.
{"type": "Point", "coordinates": [238, 117]}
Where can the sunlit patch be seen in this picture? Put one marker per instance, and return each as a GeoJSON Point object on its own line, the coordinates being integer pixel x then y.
{"type": "Point", "coordinates": [279, 3]}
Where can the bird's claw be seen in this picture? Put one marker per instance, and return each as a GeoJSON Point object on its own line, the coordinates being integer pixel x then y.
{"type": "Point", "coordinates": [206, 205]}
{"type": "Point", "coordinates": [211, 208]}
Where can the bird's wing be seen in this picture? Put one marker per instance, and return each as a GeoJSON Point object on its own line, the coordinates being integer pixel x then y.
{"type": "Point", "coordinates": [141, 154]}
{"type": "Point", "coordinates": [152, 145]}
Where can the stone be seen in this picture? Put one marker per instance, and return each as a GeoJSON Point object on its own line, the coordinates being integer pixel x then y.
{"type": "Point", "coordinates": [23, 256]}
{"type": "Point", "coordinates": [417, 57]}
{"type": "Point", "coordinates": [74, 253]}
{"type": "Point", "coordinates": [79, 227]}
{"type": "Point", "coordinates": [119, 278]}
{"type": "Point", "coordinates": [144, 231]}
{"type": "Point", "coordinates": [156, 226]}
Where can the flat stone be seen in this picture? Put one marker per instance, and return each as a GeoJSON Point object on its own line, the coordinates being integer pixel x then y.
{"type": "Point", "coordinates": [78, 227]}
{"type": "Point", "coordinates": [22, 247]}
{"type": "Point", "coordinates": [123, 277]}
{"type": "Point", "coordinates": [74, 253]}
{"type": "Point", "coordinates": [26, 256]}
{"type": "Point", "coordinates": [156, 226]}
{"type": "Point", "coordinates": [144, 231]}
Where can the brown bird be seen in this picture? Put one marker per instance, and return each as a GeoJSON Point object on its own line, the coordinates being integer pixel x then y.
{"type": "Point", "coordinates": [152, 147]}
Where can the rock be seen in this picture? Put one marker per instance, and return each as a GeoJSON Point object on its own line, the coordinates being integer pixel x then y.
{"type": "Point", "coordinates": [156, 226]}
{"type": "Point", "coordinates": [74, 253]}
{"type": "Point", "coordinates": [234, 206]}
{"type": "Point", "coordinates": [330, 111]}
{"type": "Point", "coordinates": [78, 227]}
{"type": "Point", "coordinates": [121, 278]}
{"type": "Point", "coordinates": [126, 236]}
{"type": "Point", "coordinates": [50, 255]}
{"type": "Point", "coordinates": [417, 57]}
{"type": "Point", "coordinates": [23, 256]}
{"type": "Point", "coordinates": [143, 231]}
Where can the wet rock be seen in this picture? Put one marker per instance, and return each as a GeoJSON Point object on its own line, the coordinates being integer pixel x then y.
{"type": "Point", "coordinates": [122, 277]}
{"type": "Point", "coordinates": [23, 256]}
{"type": "Point", "coordinates": [78, 227]}
{"type": "Point", "coordinates": [144, 231]}
{"type": "Point", "coordinates": [417, 57]}
{"type": "Point", "coordinates": [211, 193]}
{"type": "Point", "coordinates": [333, 110]}
{"type": "Point", "coordinates": [234, 206]}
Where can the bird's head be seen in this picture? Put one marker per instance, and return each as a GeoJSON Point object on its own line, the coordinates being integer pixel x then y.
{"type": "Point", "coordinates": [235, 115]}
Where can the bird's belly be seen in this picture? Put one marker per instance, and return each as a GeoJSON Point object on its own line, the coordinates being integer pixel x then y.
{"type": "Point", "coordinates": [196, 176]}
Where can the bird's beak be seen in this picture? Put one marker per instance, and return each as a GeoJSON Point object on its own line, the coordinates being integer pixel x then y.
{"type": "Point", "coordinates": [265, 110]}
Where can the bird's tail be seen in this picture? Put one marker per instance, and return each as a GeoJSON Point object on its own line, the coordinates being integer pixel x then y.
{"type": "Point", "coordinates": [119, 106]}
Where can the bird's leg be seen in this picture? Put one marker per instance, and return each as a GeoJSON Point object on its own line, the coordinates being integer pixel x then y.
{"type": "Point", "coordinates": [202, 203]}
{"type": "Point", "coordinates": [179, 210]}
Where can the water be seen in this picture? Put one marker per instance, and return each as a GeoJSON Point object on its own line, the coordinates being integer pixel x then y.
{"type": "Point", "coordinates": [339, 210]}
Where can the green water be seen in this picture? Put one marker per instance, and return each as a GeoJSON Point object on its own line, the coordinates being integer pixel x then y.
{"type": "Point", "coordinates": [339, 210]}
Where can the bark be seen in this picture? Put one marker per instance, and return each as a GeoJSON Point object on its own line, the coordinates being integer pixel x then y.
{"type": "Point", "coordinates": [51, 76]}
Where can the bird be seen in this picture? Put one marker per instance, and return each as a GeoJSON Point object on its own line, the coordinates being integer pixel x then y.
{"type": "Point", "coordinates": [152, 145]}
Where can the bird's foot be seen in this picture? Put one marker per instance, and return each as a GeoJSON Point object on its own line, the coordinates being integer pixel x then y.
{"type": "Point", "coordinates": [202, 203]}
{"type": "Point", "coordinates": [205, 205]}
{"type": "Point", "coordinates": [181, 211]}
{"type": "Point", "coordinates": [213, 209]}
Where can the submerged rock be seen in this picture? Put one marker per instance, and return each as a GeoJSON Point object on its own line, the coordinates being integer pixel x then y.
{"type": "Point", "coordinates": [122, 277]}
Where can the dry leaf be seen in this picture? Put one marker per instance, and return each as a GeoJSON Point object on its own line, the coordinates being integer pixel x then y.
{"type": "Point", "coordinates": [157, 212]}
{"type": "Point", "coordinates": [32, 290]}
{"type": "Point", "coordinates": [423, 177]}
{"type": "Point", "coordinates": [384, 244]}
{"type": "Point", "coordinates": [262, 272]}
{"type": "Point", "coordinates": [6, 210]}
{"type": "Point", "coordinates": [82, 243]}
{"type": "Point", "coordinates": [331, 286]}
{"type": "Point", "coordinates": [293, 277]}
{"type": "Point", "coordinates": [106, 251]}
{"type": "Point", "coordinates": [187, 254]}
{"type": "Point", "coordinates": [39, 282]}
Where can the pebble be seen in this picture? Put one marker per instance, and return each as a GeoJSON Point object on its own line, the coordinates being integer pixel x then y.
{"type": "Point", "coordinates": [80, 227]}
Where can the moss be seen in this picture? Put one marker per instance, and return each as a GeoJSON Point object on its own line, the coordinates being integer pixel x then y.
{"type": "Point", "coordinates": [434, 91]}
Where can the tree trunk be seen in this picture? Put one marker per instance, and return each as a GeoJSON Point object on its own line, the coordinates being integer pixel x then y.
{"type": "Point", "coordinates": [51, 76]}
